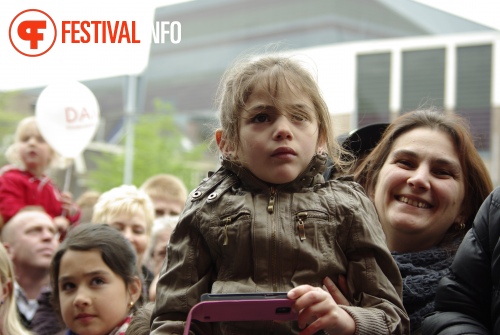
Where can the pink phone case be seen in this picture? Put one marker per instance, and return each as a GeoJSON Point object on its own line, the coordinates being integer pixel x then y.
{"type": "Point", "coordinates": [241, 310]}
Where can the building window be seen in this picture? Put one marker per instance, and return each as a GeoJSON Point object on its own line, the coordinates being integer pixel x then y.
{"type": "Point", "coordinates": [422, 79]}
{"type": "Point", "coordinates": [372, 91]}
{"type": "Point", "coordinates": [474, 91]}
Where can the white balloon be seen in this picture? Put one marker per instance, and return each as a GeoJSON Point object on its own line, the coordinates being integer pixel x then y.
{"type": "Point", "coordinates": [67, 114]}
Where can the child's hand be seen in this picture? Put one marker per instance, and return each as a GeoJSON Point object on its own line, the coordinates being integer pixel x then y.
{"type": "Point", "coordinates": [62, 224]}
{"type": "Point", "coordinates": [318, 311]}
{"type": "Point", "coordinates": [337, 293]}
{"type": "Point", "coordinates": [66, 199]}
{"type": "Point", "coordinates": [69, 208]}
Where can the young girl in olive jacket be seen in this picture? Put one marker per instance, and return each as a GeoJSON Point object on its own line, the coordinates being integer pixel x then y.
{"type": "Point", "coordinates": [268, 221]}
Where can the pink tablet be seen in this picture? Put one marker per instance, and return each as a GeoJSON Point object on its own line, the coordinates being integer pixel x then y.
{"type": "Point", "coordinates": [242, 307]}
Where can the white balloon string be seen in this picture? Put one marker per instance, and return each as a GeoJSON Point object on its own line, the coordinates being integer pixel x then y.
{"type": "Point", "coordinates": [67, 178]}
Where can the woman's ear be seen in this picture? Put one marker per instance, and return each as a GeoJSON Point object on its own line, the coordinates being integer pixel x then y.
{"type": "Point", "coordinates": [459, 222]}
{"type": "Point", "coordinates": [7, 288]}
{"type": "Point", "coordinates": [135, 289]}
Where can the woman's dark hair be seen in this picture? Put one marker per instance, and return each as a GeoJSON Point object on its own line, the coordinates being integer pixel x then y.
{"type": "Point", "coordinates": [116, 251]}
{"type": "Point", "coordinates": [477, 181]}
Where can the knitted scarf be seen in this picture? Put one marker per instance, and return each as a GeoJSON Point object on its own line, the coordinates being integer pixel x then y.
{"type": "Point", "coordinates": [421, 272]}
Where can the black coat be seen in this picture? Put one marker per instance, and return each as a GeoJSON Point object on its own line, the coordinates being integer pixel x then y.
{"type": "Point", "coordinates": [468, 301]}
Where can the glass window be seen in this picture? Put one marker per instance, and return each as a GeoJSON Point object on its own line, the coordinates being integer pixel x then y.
{"type": "Point", "coordinates": [372, 91]}
{"type": "Point", "coordinates": [422, 79]}
{"type": "Point", "coordinates": [474, 91]}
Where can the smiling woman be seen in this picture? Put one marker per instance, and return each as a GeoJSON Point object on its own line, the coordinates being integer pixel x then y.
{"type": "Point", "coordinates": [414, 216]}
{"type": "Point", "coordinates": [427, 182]}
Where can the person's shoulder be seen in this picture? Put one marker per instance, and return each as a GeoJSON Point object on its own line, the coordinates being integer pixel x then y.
{"type": "Point", "coordinates": [9, 170]}
{"type": "Point", "coordinates": [346, 194]}
{"type": "Point", "coordinates": [490, 209]}
{"type": "Point", "coordinates": [346, 184]}
{"type": "Point", "coordinates": [484, 228]}
{"type": "Point", "coordinates": [216, 181]}
{"type": "Point", "coordinates": [495, 197]}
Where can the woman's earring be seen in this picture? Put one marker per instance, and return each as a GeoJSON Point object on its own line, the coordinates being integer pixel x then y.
{"type": "Point", "coordinates": [130, 305]}
{"type": "Point", "coordinates": [460, 226]}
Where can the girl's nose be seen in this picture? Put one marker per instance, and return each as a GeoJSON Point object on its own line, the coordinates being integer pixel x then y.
{"type": "Point", "coordinates": [82, 299]}
{"type": "Point", "coordinates": [282, 129]}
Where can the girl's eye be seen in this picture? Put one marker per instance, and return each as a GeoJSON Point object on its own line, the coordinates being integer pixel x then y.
{"type": "Point", "coordinates": [97, 281]}
{"type": "Point", "coordinates": [67, 286]}
{"type": "Point", "coordinates": [299, 118]}
{"type": "Point", "coordinates": [260, 118]}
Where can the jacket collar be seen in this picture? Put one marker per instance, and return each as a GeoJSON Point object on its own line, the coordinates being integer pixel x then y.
{"type": "Point", "coordinates": [311, 176]}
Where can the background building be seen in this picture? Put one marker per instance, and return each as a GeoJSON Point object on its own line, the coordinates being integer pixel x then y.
{"type": "Point", "coordinates": [374, 59]}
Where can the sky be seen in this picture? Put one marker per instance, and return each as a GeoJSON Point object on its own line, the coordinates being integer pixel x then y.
{"type": "Point", "coordinates": [90, 61]}
{"type": "Point", "coordinates": [481, 11]}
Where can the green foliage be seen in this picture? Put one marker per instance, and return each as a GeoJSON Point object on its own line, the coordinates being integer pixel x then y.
{"type": "Point", "coordinates": [158, 148]}
{"type": "Point", "coordinates": [9, 119]}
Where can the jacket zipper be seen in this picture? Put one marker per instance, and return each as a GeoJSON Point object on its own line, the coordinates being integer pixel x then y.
{"type": "Point", "coordinates": [226, 222]}
{"type": "Point", "coordinates": [270, 205]}
{"type": "Point", "coordinates": [270, 210]}
{"type": "Point", "coordinates": [301, 225]}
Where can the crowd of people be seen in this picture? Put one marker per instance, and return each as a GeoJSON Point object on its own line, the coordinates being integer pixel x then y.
{"type": "Point", "coordinates": [397, 236]}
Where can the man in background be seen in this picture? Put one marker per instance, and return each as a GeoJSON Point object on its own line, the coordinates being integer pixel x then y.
{"type": "Point", "coordinates": [31, 238]}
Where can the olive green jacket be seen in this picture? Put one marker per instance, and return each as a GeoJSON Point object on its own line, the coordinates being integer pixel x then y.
{"type": "Point", "coordinates": [238, 234]}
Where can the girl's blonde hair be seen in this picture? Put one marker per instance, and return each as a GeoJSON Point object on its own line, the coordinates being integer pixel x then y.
{"type": "Point", "coordinates": [12, 153]}
{"type": "Point", "coordinates": [10, 319]}
{"type": "Point", "coordinates": [273, 73]}
{"type": "Point", "coordinates": [124, 199]}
